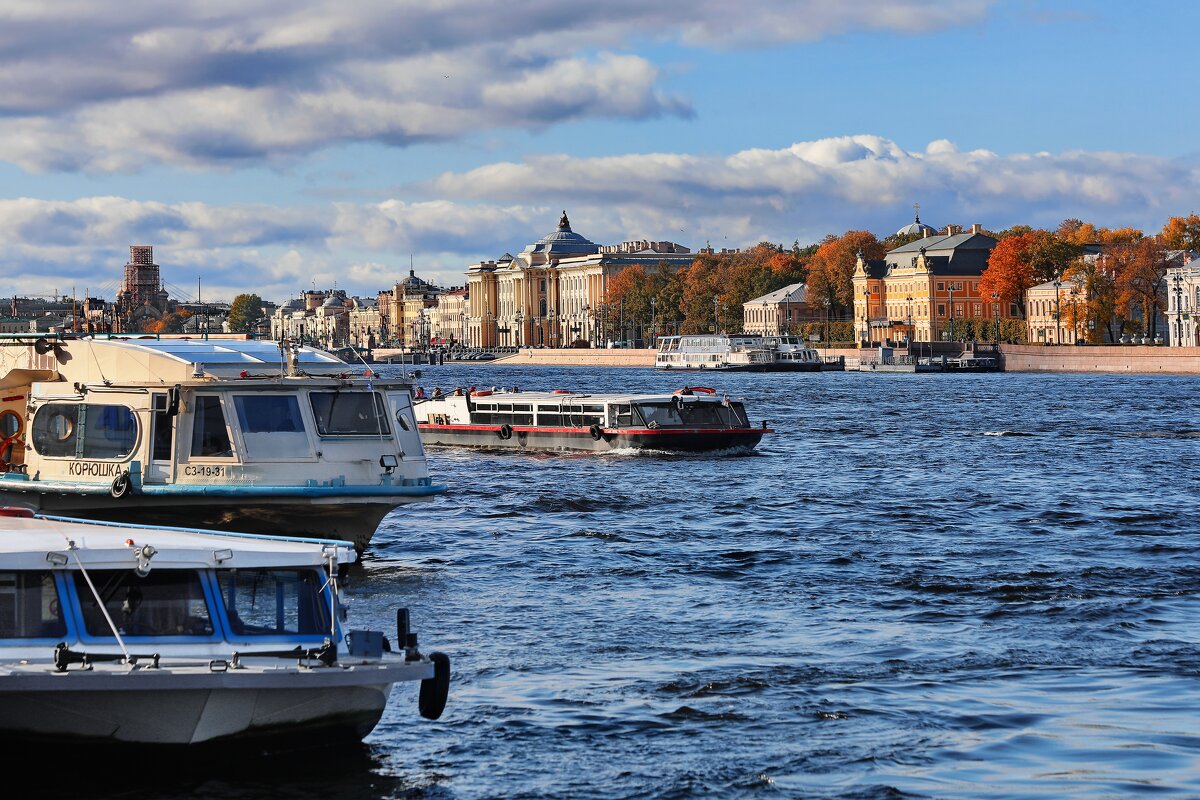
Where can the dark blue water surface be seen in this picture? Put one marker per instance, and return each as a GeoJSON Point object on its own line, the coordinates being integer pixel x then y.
{"type": "Point", "coordinates": [918, 586]}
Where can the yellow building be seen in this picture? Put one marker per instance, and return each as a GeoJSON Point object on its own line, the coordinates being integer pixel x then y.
{"type": "Point", "coordinates": [926, 290]}
{"type": "Point", "coordinates": [1056, 312]}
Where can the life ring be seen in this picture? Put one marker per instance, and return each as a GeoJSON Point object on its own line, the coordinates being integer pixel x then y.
{"type": "Point", "coordinates": [596, 431]}
{"type": "Point", "coordinates": [694, 389]}
{"type": "Point", "coordinates": [121, 485]}
{"type": "Point", "coordinates": [8, 447]}
{"type": "Point", "coordinates": [431, 702]}
{"type": "Point", "coordinates": [483, 393]}
{"type": "Point", "coordinates": [561, 391]}
{"type": "Point", "coordinates": [505, 431]}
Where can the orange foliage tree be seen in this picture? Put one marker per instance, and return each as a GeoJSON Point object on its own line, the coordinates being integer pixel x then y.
{"type": "Point", "coordinates": [1019, 261]}
{"type": "Point", "coordinates": [831, 270]}
{"type": "Point", "coordinates": [1182, 233]}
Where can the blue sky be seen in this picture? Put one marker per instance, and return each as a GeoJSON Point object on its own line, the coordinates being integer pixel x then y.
{"type": "Point", "coordinates": [270, 146]}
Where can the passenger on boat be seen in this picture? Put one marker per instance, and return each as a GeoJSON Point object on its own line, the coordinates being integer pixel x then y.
{"type": "Point", "coordinates": [458, 392]}
{"type": "Point", "coordinates": [419, 393]}
{"type": "Point", "coordinates": [437, 392]}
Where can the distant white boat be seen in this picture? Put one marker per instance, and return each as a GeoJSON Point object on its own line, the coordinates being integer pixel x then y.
{"type": "Point", "coordinates": [713, 351]}
{"type": "Point", "coordinates": [792, 354]}
{"type": "Point", "coordinates": [121, 636]}
{"type": "Point", "coordinates": [217, 433]}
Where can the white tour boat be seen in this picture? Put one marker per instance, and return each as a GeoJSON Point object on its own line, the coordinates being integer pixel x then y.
{"type": "Point", "coordinates": [138, 640]}
{"type": "Point", "coordinates": [714, 351]}
{"type": "Point", "coordinates": [693, 419]}
{"type": "Point", "coordinates": [229, 434]}
{"type": "Point", "coordinates": [792, 354]}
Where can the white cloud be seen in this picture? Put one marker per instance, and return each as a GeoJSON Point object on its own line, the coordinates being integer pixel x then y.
{"type": "Point", "coordinates": [800, 192]}
{"type": "Point", "coordinates": [84, 88]}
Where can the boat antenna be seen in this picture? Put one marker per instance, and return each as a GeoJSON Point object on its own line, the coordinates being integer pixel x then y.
{"type": "Point", "coordinates": [74, 551]}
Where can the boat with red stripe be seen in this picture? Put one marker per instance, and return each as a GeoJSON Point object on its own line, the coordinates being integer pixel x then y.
{"type": "Point", "coordinates": [692, 419]}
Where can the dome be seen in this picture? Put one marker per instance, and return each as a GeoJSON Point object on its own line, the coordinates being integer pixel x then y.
{"type": "Point", "coordinates": [333, 301]}
{"type": "Point", "coordinates": [916, 227]}
{"type": "Point", "coordinates": [565, 241]}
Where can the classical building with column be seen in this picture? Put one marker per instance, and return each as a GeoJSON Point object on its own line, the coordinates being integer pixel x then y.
{"type": "Point", "coordinates": [922, 290]}
{"type": "Point", "coordinates": [777, 313]}
{"type": "Point", "coordinates": [552, 294]}
{"type": "Point", "coordinates": [1183, 303]}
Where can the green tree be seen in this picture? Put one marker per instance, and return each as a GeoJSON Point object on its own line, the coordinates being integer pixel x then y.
{"type": "Point", "coordinates": [245, 310]}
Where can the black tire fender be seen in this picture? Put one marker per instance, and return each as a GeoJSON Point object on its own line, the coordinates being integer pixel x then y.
{"type": "Point", "coordinates": [596, 431]}
{"type": "Point", "coordinates": [121, 485]}
{"type": "Point", "coordinates": [505, 431]}
{"type": "Point", "coordinates": [431, 702]}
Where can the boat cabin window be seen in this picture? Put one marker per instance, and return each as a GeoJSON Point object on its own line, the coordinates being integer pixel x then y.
{"type": "Point", "coordinates": [350, 414]}
{"type": "Point", "coordinates": [704, 415]}
{"type": "Point", "coordinates": [271, 425]}
{"type": "Point", "coordinates": [29, 606]}
{"type": "Point", "coordinates": [624, 415]}
{"type": "Point", "coordinates": [161, 438]}
{"type": "Point", "coordinates": [210, 437]}
{"type": "Point", "coordinates": [84, 430]}
{"type": "Point", "coordinates": [10, 424]}
{"type": "Point", "coordinates": [503, 413]}
{"type": "Point", "coordinates": [164, 603]}
{"type": "Point", "coordinates": [273, 602]}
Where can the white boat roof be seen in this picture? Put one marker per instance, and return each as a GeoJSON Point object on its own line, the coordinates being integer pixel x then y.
{"type": "Point", "coordinates": [27, 543]}
{"type": "Point", "coordinates": [522, 396]}
{"type": "Point", "coordinates": [124, 360]}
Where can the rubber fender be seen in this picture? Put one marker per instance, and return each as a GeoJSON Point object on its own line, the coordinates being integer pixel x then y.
{"type": "Point", "coordinates": [432, 700]}
{"type": "Point", "coordinates": [505, 431]}
{"type": "Point", "coordinates": [597, 432]}
{"type": "Point", "coordinates": [121, 485]}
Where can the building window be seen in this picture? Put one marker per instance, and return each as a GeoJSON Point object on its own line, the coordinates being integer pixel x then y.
{"type": "Point", "coordinates": [941, 287]}
{"type": "Point", "coordinates": [941, 310]}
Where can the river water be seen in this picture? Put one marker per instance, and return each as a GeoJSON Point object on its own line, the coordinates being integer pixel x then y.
{"type": "Point", "coordinates": [933, 586]}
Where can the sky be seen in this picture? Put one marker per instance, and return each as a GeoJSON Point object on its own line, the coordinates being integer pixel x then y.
{"type": "Point", "coordinates": [275, 146]}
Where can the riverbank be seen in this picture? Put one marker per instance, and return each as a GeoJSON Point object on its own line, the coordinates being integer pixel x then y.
{"type": "Point", "coordinates": [1014, 358]}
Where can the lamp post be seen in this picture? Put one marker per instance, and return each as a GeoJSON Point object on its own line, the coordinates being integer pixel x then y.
{"type": "Point", "coordinates": [653, 320]}
{"type": "Point", "coordinates": [716, 322]}
{"type": "Point", "coordinates": [584, 319]}
{"type": "Point", "coordinates": [518, 318]}
{"type": "Point", "coordinates": [867, 316]}
{"type": "Point", "coordinates": [550, 317]}
{"type": "Point", "coordinates": [996, 313]}
{"type": "Point", "coordinates": [787, 313]}
{"type": "Point", "coordinates": [764, 320]}
{"type": "Point", "coordinates": [1177, 282]}
{"type": "Point", "coordinates": [951, 328]}
{"type": "Point", "coordinates": [1057, 315]}
{"type": "Point", "coordinates": [910, 325]}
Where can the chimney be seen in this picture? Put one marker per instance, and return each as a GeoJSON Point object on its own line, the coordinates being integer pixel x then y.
{"type": "Point", "coordinates": [977, 228]}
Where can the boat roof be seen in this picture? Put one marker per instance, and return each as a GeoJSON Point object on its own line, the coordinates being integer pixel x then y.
{"type": "Point", "coordinates": [123, 360]}
{"type": "Point", "coordinates": [28, 543]}
{"type": "Point", "coordinates": [509, 396]}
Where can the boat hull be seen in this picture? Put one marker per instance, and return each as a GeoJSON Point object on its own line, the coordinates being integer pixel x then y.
{"type": "Point", "coordinates": [199, 705]}
{"type": "Point", "coordinates": [490, 437]}
{"type": "Point", "coordinates": [353, 519]}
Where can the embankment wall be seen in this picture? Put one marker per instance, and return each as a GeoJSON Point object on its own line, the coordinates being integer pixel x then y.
{"type": "Point", "coordinates": [1121, 358]}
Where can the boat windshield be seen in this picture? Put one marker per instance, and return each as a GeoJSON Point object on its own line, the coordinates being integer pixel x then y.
{"type": "Point", "coordinates": [350, 414]}
{"type": "Point", "coordinates": [275, 602]}
{"type": "Point", "coordinates": [163, 603]}
{"type": "Point", "coordinates": [668, 414]}
{"type": "Point", "coordinates": [29, 606]}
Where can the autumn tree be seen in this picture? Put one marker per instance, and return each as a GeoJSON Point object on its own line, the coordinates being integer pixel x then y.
{"type": "Point", "coordinates": [245, 310]}
{"type": "Point", "coordinates": [831, 270]}
{"type": "Point", "coordinates": [1022, 260]}
{"type": "Point", "coordinates": [1182, 233]}
{"type": "Point", "coordinates": [1140, 273]}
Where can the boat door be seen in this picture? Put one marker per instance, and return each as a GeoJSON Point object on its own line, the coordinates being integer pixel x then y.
{"type": "Point", "coordinates": [164, 411]}
{"type": "Point", "coordinates": [400, 405]}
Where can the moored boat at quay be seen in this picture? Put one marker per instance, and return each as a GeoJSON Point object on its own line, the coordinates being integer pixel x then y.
{"type": "Point", "coordinates": [792, 354]}
{"type": "Point", "coordinates": [134, 641]}
{"type": "Point", "coordinates": [714, 351]}
{"type": "Point", "coordinates": [229, 434]}
{"type": "Point", "coordinates": [692, 419]}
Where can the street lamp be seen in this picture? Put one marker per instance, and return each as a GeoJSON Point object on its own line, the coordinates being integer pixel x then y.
{"type": "Point", "coordinates": [518, 318]}
{"type": "Point", "coordinates": [653, 320]}
{"type": "Point", "coordinates": [996, 313]}
{"type": "Point", "coordinates": [867, 316]}
{"type": "Point", "coordinates": [583, 320]}
{"type": "Point", "coordinates": [1057, 315]}
{"type": "Point", "coordinates": [550, 317]}
{"type": "Point", "coordinates": [716, 322]}
{"type": "Point", "coordinates": [764, 319]}
{"type": "Point", "coordinates": [1177, 280]}
{"type": "Point", "coordinates": [910, 327]}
